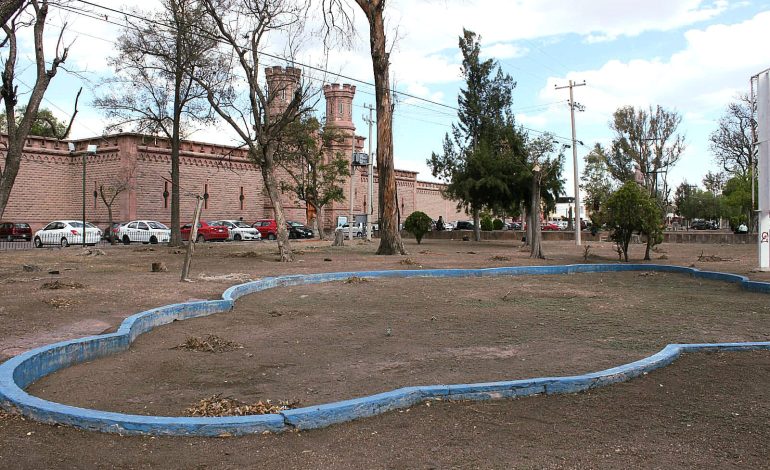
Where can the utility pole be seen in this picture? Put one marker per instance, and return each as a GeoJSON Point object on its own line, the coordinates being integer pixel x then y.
{"type": "Point", "coordinates": [370, 171]}
{"type": "Point", "coordinates": [352, 184]}
{"type": "Point", "coordinates": [572, 106]}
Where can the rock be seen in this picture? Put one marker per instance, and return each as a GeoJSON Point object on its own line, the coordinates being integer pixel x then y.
{"type": "Point", "coordinates": [54, 271]}
{"type": "Point", "coordinates": [159, 267]}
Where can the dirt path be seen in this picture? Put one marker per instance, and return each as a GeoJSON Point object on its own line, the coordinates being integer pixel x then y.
{"type": "Point", "coordinates": [703, 411]}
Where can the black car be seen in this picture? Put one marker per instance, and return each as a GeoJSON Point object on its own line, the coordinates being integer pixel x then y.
{"type": "Point", "coordinates": [464, 225]}
{"type": "Point", "coordinates": [298, 230]}
{"type": "Point", "coordinates": [703, 225]}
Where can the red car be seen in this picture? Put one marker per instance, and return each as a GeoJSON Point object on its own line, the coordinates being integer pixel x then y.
{"type": "Point", "coordinates": [15, 231]}
{"type": "Point", "coordinates": [549, 226]}
{"type": "Point", "coordinates": [206, 232]}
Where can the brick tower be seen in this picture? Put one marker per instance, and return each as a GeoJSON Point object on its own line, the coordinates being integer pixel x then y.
{"type": "Point", "coordinates": [281, 86]}
{"type": "Point", "coordinates": [339, 106]}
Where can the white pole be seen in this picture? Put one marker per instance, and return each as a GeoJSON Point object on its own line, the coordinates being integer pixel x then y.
{"type": "Point", "coordinates": [763, 170]}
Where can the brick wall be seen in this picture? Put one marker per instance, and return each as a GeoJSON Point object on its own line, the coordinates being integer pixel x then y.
{"type": "Point", "coordinates": [49, 184]}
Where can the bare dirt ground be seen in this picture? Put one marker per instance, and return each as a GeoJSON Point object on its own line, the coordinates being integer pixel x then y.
{"type": "Point", "coordinates": [340, 340]}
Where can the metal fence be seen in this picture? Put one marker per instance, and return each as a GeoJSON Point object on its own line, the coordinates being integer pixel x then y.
{"type": "Point", "coordinates": [51, 241]}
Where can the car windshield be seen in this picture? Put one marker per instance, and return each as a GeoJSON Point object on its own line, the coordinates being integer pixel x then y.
{"type": "Point", "coordinates": [157, 225]}
{"type": "Point", "coordinates": [295, 224]}
{"type": "Point", "coordinates": [242, 225]}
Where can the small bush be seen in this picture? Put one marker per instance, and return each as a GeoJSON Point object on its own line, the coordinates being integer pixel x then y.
{"type": "Point", "coordinates": [486, 223]}
{"type": "Point", "coordinates": [418, 224]}
{"type": "Point", "coordinates": [498, 224]}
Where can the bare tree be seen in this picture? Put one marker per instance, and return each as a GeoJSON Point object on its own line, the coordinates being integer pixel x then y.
{"type": "Point", "coordinates": [109, 192]}
{"type": "Point", "coordinates": [32, 14]}
{"type": "Point", "coordinates": [648, 139]}
{"type": "Point", "coordinates": [258, 114]}
{"type": "Point", "coordinates": [338, 19]}
{"type": "Point", "coordinates": [154, 90]}
{"type": "Point", "coordinates": [315, 177]}
{"type": "Point", "coordinates": [731, 142]}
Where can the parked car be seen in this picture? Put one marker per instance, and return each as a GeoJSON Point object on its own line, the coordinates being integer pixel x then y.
{"type": "Point", "coordinates": [112, 229]}
{"type": "Point", "coordinates": [448, 226]}
{"type": "Point", "coordinates": [298, 230]}
{"type": "Point", "coordinates": [514, 226]}
{"type": "Point", "coordinates": [143, 231]}
{"type": "Point", "coordinates": [206, 232]}
{"type": "Point", "coordinates": [549, 226]}
{"type": "Point", "coordinates": [269, 229]}
{"type": "Point", "coordinates": [358, 230]}
{"type": "Point", "coordinates": [703, 225]}
{"type": "Point", "coordinates": [238, 229]}
{"type": "Point", "coordinates": [15, 231]}
{"type": "Point", "coordinates": [66, 233]}
{"type": "Point", "coordinates": [464, 225]}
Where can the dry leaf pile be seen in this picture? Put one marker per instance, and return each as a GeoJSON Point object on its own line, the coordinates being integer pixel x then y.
{"type": "Point", "coordinates": [712, 258]}
{"type": "Point", "coordinates": [217, 405]}
{"type": "Point", "coordinates": [356, 280]}
{"type": "Point", "coordinates": [59, 302]}
{"type": "Point", "coordinates": [407, 262]}
{"type": "Point", "coordinates": [212, 343]}
{"type": "Point", "coordinates": [57, 284]}
{"type": "Point", "coordinates": [500, 258]}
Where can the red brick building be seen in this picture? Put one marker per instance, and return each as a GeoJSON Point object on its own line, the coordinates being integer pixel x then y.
{"type": "Point", "coordinates": [49, 183]}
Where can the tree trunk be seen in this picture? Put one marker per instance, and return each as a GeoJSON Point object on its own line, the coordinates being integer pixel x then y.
{"type": "Point", "coordinates": [476, 225]}
{"type": "Point", "coordinates": [319, 221]}
{"type": "Point", "coordinates": [528, 229]}
{"type": "Point", "coordinates": [647, 249]}
{"type": "Point", "coordinates": [339, 238]}
{"type": "Point", "coordinates": [536, 250]}
{"type": "Point", "coordinates": [176, 230]}
{"type": "Point", "coordinates": [271, 184]}
{"type": "Point", "coordinates": [17, 135]}
{"type": "Point", "coordinates": [390, 238]}
{"type": "Point", "coordinates": [191, 243]}
{"type": "Point", "coordinates": [111, 235]}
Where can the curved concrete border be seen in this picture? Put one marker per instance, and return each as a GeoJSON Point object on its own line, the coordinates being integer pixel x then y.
{"type": "Point", "coordinates": [19, 372]}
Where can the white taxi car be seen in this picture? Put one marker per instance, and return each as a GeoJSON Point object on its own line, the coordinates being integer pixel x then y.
{"type": "Point", "coordinates": [238, 230]}
{"type": "Point", "coordinates": [145, 231]}
{"type": "Point", "coordinates": [66, 233]}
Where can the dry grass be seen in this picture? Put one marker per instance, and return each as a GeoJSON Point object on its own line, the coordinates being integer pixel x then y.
{"type": "Point", "coordinates": [356, 280]}
{"type": "Point", "coordinates": [60, 302]}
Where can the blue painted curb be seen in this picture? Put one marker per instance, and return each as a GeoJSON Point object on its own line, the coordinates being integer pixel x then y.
{"type": "Point", "coordinates": [19, 372]}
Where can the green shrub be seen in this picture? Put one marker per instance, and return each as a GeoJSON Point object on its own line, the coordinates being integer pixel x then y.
{"type": "Point", "coordinates": [498, 224]}
{"type": "Point", "coordinates": [486, 222]}
{"type": "Point", "coordinates": [418, 224]}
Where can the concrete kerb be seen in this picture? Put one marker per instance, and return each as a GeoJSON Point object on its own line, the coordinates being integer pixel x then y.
{"type": "Point", "coordinates": [19, 372]}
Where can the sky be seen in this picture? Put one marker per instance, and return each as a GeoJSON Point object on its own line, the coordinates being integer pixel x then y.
{"type": "Point", "coordinates": [689, 56]}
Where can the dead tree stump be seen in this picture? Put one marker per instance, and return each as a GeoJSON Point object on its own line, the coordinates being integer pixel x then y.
{"type": "Point", "coordinates": [159, 267]}
{"type": "Point", "coordinates": [339, 238]}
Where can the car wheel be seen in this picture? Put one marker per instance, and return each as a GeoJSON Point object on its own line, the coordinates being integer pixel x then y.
{"type": "Point", "coordinates": [153, 240]}
{"type": "Point", "coordinates": [359, 235]}
{"type": "Point", "coordinates": [237, 237]}
{"type": "Point", "coordinates": [38, 242]}
{"type": "Point", "coordinates": [64, 243]}
{"type": "Point", "coordinates": [126, 240]}
{"type": "Point", "coordinates": [271, 236]}
{"type": "Point", "coordinates": [200, 239]}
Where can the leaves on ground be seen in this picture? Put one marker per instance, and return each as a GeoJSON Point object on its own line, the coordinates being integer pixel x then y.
{"type": "Point", "coordinates": [500, 258]}
{"type": "Point", "coordinates": [57, 284]}
{"type": "Point", "coordinates": [408, 262]}
{"type": "Point", "coordinates": [217, 405]}
{"type": "Point", "coordinates": [60, 302]}
{"type": "Point", "coordinates": [212, 343]}
{"type": "Point", "coordinates": [356, 280]}
{"type": "Point", "coordinates": [713, 258]}
{"type": "Point", "coordinates": [243, 254]}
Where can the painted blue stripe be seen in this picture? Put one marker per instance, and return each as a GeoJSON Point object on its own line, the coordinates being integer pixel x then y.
{"type": "Point", "coordinates": [19, 372]}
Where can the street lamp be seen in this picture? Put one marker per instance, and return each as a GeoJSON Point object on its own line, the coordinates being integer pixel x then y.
{"type": "Point", "coordinates": [90, 150]}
